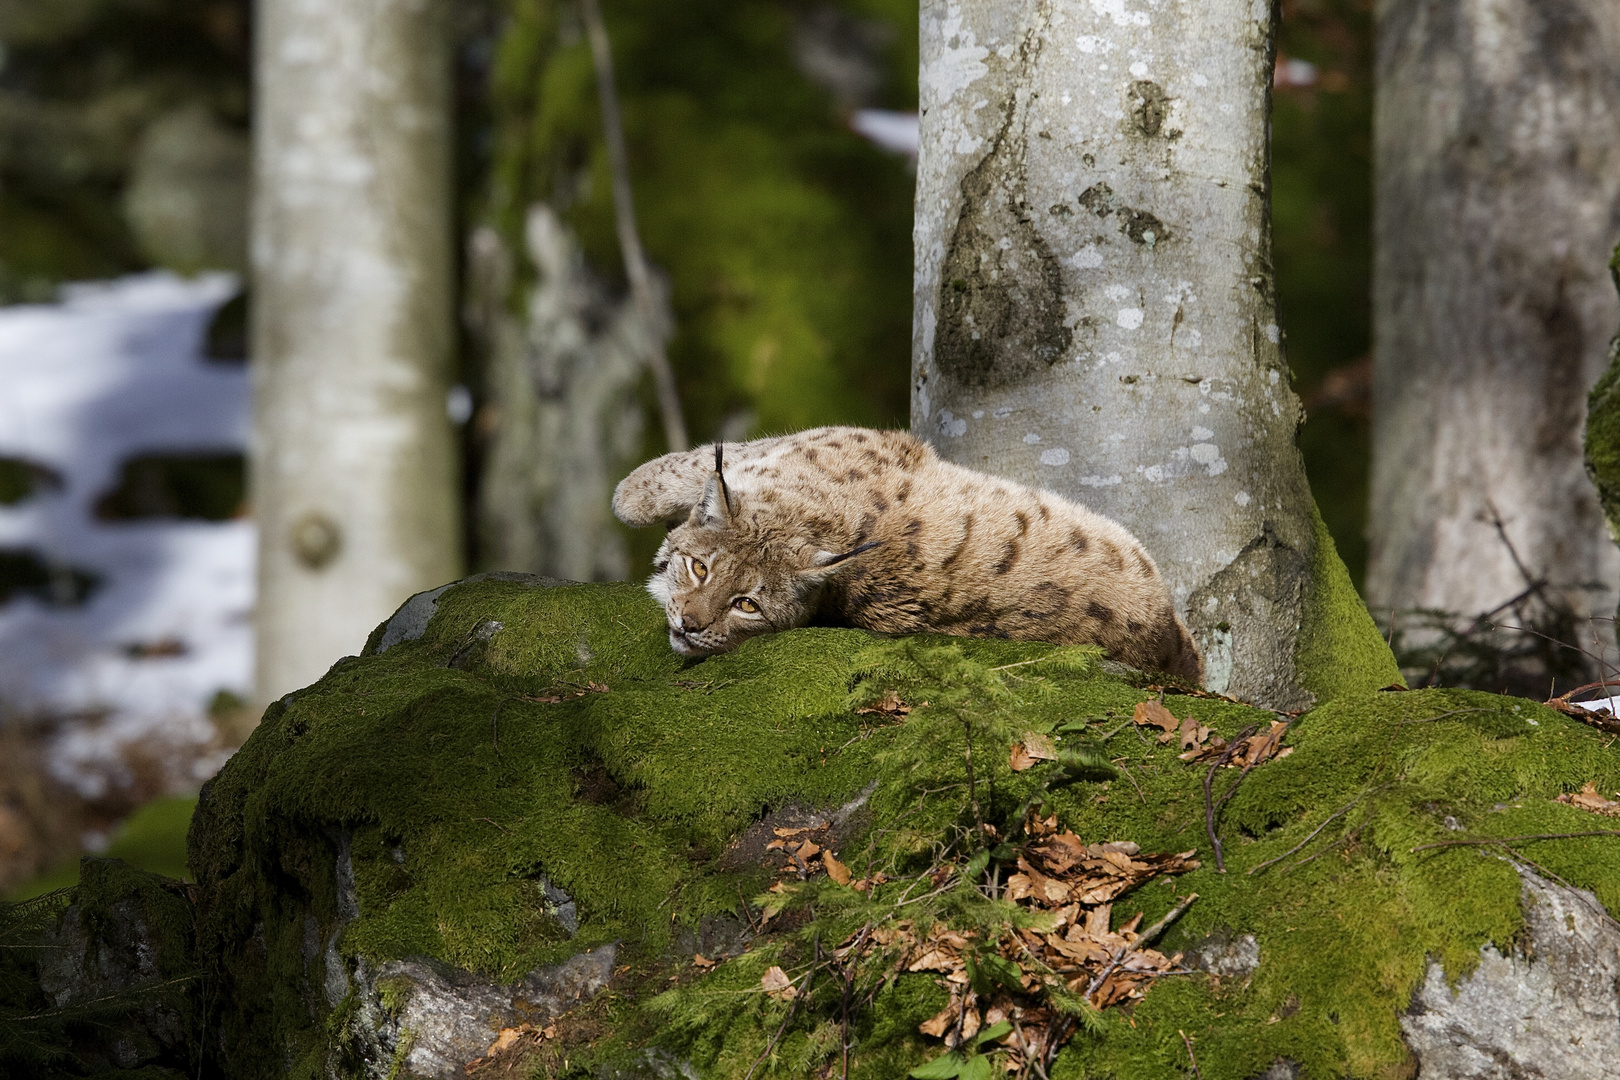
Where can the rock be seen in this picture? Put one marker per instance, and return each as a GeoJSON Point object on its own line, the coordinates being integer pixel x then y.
{"type": "Point", "coordinates": [1550, 1008]}
{"type": "Point", "coordinates": [421, 1018]}
{"type": "Point", "coordinates": [518, 795]}
{"type": "Point", "coordinates": [1225, 953]}
{"type": "Point", "coordinates": [121, 963]}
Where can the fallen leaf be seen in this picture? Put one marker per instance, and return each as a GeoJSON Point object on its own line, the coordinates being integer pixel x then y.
{"type": "Point", "coordinates": [790, 832]}
{"type": "Point", "coordinates": [1192, 733]}
{"type": "Point", "coordinates": [776, 983]}
{"type": "Point", "coordinates": [1032, 748]}
{"type": "Point", "coordinates": [945, 1019]}
{"type": "Point", "coordinates": [704, 962]}
{"type": "Point", "coordinates": [835, 869]}
{"type": "Point", "coordinates": [506, 1039]}
{"type": "Point", "coordinates": [1590, 800]}
{"type": "Point", "coordinates": [888, 705]}
{"type": "Point", "coordinates": [808, 850]}
{"type": "Point", "coordinates": [1153, 714]}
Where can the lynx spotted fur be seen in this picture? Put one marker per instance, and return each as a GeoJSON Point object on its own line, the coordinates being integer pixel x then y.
{"type": "Point", "coordinates": [872, 529]}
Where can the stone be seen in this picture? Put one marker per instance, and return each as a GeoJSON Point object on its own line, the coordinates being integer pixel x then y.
{"type": "Point", "coordinates": [1549, 1008]}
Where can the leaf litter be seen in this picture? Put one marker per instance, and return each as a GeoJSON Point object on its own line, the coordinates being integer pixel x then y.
{"type": "Point", "coordinates": [1590, 800]}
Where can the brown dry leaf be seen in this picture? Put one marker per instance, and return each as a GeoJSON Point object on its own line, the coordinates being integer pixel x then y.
{"type": "Point", "coordinates": [1588, 799]}
{"type": "Point", "coordinates": [506, 1039]}
{"type": "Point", "coordinates": [1251, 751]}
{"type": "Point", "coordinates": [1192, 733]}
{"type": "Point", "coordinates": [1153, 714]}
{"type": "Point", "coordinates": [808, 850]}
{"type": "Point", "coordinates": [791, 832]}
{"type": "Point", "coordinates": [550, 1032]}
{"type": "Point", "coordinates": [1034, 747]}
{"type": "Point", "coordinates": [703, 961]}
{"type": "Point", "coordinates": [835, 869]}
{"type": "Point", "coordinates": [776, 983]}
{"type": "Point", "coordinates": [943, 1021]}
{"type": "Point", "coordinates": [889, 705]}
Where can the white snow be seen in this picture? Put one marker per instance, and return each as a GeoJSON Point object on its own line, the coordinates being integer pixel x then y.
{"type": "Point", "coordinates": [115, 369]}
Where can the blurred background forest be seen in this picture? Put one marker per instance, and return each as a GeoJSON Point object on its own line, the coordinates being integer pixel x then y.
{"type": "Point", "coordinates": [770, 160]}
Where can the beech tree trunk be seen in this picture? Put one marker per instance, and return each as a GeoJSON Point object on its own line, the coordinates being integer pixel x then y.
{"type": "Point", "coordinates": [1498, 202]}
{"type": "Point", "coordinates": [354, 478]}
{"type": "Point", "coordinates": [1094, 307]}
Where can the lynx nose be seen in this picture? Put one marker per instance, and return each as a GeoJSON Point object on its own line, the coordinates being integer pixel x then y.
{"type": "Point", "coordinates": [689, 624]}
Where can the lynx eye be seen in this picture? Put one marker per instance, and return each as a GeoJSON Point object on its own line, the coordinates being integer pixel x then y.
{"type": "Point", "coordinates": [742, 603]}
{"type": "Point", "coordinates": [699, 571]}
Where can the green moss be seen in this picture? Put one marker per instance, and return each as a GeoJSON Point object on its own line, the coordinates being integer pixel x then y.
{"type": "Point", "coordinates": [1340, 650]}
{"type": "Point", "coordinates": [460, 768]}
{"type": "Point", "coordinates": [786, 236]}
{"type": "Point", "coordinates": [1603, 428]}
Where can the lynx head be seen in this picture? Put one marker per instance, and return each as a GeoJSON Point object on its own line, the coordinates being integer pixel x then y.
{"type": "Point", "coordinates": [724, 576]}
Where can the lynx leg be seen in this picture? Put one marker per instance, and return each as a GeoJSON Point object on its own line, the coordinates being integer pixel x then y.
{"type": "Point", "coordinates": [665, 488]}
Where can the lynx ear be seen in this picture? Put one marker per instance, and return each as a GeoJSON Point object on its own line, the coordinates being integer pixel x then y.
{"type": "Point", "coordinates": [824, 563]}
{"type": "Point", "coordinates": [714, 510]}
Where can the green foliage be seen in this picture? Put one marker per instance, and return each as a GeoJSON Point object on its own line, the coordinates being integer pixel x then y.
{"type": "Point", "coordinates": [82, 80]}
{"type": "Point", "coordinates": [785, 236]}
{"type": "Point", "coordinates": [152, 839]}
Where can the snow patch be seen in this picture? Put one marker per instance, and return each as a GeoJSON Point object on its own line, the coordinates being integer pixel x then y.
{"type": "Point", "coordinates": [114, 369]}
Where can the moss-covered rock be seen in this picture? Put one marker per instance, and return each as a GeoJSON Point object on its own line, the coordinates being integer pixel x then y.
{"type": "Point", "coordinates": [102, 980]}
{"type": "Point", "coordinates": [517, 777]}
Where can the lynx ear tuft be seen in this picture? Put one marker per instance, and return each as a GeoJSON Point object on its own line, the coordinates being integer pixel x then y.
{"type": "Point", "coordinates": [823, 563]}
{"type": "Point", "coordinates": [716, 507]}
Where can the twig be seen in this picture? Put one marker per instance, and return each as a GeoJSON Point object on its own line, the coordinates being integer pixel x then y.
{"type": "Point", "coordinates": [624, 208]}
{"type": "Point", "coordinates": [1209, 802]}
{"type": "Point", "coordinates": [1023, 1048]}
{"type": "Point", "coordinates": [1151, 934]}
{"type": "Point", "coordinates": [793, 1008]}
{"type": "Point", "coordinates": [1345, 809]}
{"type": "Point", "coordinates": [1142, 941]}
{"type": "Point", "coordinates": [1132, 779]}
{"type": "Point", "coordinates": [1190, 1055]}
{"type": "Point", "coordinates": [1514, 839]}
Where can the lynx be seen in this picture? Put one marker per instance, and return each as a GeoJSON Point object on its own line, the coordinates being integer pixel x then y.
{"type": "Point", "coordinates": [873, 529]}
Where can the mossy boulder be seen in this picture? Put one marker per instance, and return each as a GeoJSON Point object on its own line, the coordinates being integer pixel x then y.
{"type": "Point", "coordinates": [519, 809]}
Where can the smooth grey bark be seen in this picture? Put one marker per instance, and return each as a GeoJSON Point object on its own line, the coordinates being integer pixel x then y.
{"type": "Point", "coordinates": [1497, 136]}
{"type": "Point", "coordinates": [568, 417]}
{"type": "Point", "coordinates": [1094, 307]}
{"type": "Point", "coordinates": [354, 476]}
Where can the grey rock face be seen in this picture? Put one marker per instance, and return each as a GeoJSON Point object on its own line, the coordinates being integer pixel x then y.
{"type": "Point", "coordinates": [1226, 954]}
{"type": "Point", "coordinates": [432, 1019]}
{"type": "Point", "coordinates": [411, 620]}
{"type": "Point", "coordinates": [1550, 1009]}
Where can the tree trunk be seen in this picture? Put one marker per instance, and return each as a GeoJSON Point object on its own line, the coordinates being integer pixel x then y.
{"type": "Point", "coordinates": [1094, 310]}
{"type": "Point", "coordinates": [1498, 202]}
{"type": "Point", "coordinates": [354, 480]}
{"type": "Point", "coordinates": [568, 415]}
